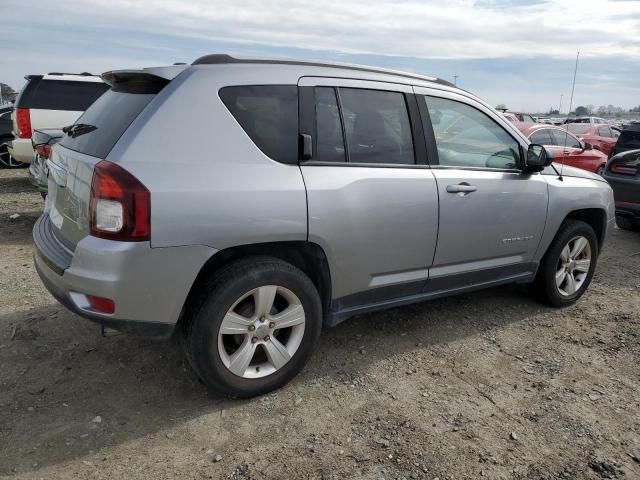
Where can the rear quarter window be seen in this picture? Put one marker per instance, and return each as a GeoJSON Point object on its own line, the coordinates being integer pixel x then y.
{"type": "Point", "coordinates": [269, 116]}
{"type": "Point", "coordinates": [60, 94]}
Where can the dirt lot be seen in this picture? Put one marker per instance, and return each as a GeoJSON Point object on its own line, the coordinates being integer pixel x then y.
{"type": "Point", "coordinates": [487, 385]}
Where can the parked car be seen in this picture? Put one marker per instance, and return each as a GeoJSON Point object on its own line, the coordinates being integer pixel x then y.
{"type": "Point", "coordinates": [565, 147]}
{"type": "Point", "coordinates": [623, 174]}
{"type": "Point", "coordinates": [601, 136]}
{"type": "Point", "coordinates": [42, 141]}
{"type": "Point", "coordinates": [6, 135]}
{"type": "Point", "coordinates": [53, 100]}
{"type": "Point", "coordinates": [297, 195]}
{"type": "Point", "coordinates": [516, 117]}
{"type": "Point", "coordinates": [629, 139]}
{"type": "Point", "coordinates": [585, 120]}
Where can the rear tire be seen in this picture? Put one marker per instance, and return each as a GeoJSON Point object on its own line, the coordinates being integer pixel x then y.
{"type": "Point", "coordinates": [567, 268]}
{"type": "Point", "coordinates": [240, 314]}
{"type": "Point", "coordinates": [627, 223]}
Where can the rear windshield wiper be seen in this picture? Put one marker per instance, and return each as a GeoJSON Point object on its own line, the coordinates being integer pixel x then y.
{"type": "Point", "coordinates": [78, 129]}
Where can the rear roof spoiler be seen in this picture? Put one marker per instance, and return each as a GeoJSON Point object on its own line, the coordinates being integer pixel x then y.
{"type": "Point", "coordinates": [159, 73]}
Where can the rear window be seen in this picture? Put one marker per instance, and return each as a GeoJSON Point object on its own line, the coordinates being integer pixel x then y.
{"type": "Point", "coordinates": [111, 114]}
{"type": "Point", "coordinates": [60, 94]}
{"type": "Point", "coordinates": [269, 115]}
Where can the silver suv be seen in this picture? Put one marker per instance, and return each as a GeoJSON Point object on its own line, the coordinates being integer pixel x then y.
{"type": "Point", "coordinates": [246, 204]}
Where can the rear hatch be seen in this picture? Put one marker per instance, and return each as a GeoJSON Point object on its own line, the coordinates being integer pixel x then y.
{"type": "Point", "coordinates": [55, 100]}
{"type": "Point", "coordinates": [88, 142]}
{"type": "Point", "coordinates": [629, 139]}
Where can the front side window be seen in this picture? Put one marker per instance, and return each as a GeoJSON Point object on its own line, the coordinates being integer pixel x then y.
{"type": "Point", "coordinates": [377, 126]}
{"type": "Point", "coordinates": [542, 137]}
{"type": "Point", "coordinates": [604, 132]}
{"type": "Point", "coordinates": [269, 115]}
{"type": "Point", "coordinates": [564, 139]}
{"type": "Point", "coordinates": [466, 137]}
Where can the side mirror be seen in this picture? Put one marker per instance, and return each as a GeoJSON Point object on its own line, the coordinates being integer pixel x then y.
{"type": "Point", "coordinates": [537, 158]}
{"type": "Point", "coordinates": [587, 146]}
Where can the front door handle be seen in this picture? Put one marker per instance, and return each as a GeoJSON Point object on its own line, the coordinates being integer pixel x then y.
{"type": "Point", "coordinates": [463, 188]}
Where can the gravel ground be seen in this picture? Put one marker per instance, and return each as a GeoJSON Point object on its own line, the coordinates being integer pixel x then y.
{"type": "Point", "coordinates": [485, 385]}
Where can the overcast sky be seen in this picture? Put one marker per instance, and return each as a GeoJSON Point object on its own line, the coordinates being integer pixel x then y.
{"type": "Point", "coordinates": [506, 51]}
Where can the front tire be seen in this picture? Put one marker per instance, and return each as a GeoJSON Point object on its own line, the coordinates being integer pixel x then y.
{"type": "Point", "coordinates": [253, 327]}
{"type": "Point", "coordinates": [569, 264]}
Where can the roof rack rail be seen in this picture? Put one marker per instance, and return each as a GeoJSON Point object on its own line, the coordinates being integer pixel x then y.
{"type": "Point", "coordinates": [223, 58]}
{"type": "Point", "coordinates": [82, 74]}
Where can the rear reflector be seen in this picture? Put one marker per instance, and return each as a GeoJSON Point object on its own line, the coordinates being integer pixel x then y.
{"type": "Point", "coordinates": [23, 123]}
{"type": "Point", "coordinates": [100, 304]}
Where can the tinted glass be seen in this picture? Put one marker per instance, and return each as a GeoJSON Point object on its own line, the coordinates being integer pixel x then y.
{"type": "Point", "coordinates": [466, 137]}
{"type": "Point", "coordinates": [61, 94]}
{"type": "Point", "coordinates": [525, 117]}
{"type": "Point", "coordinates": [377, 126]}
{"type": "Point", "coordinates": [269, 115]}
{"type": "Point", "coordinates": [112, 114]}
{"type": "Point", "coordinates": [542, 137]}
{"type": "Point", "coordinates": [564, 139]}
{"type": "Point", "coordinates": [578, 128]}
{"type": "Point", "coordinates": [330, 143]}
{"type": "Point", "coordinates": [629, 140]}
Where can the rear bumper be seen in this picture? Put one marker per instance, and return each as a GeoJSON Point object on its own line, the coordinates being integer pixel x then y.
{"type": "Point", "coordinates": [38, 174]}
{"type": "Point", "coordinates": [21, 149]}
{"type": "Point", "coordinates": [631, 210]}
{"type": "Point", "coordinates": [149, 286]}
{"type": "Point", "coordinates": [626, 192]}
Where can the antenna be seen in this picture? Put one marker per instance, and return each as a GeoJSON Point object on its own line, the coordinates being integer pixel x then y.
{"type": "Point", "coordinates": [566, 133]}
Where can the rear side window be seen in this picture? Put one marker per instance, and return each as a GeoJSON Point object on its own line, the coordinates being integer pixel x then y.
{"type": "Point", "coordinates": [60, 94]}
{"type": "Point", "coordinates": [377, 126]}
{"type": "Point", "coordinates": [269, 115]}
{"type": "Point", "coordinates": [330, 142]}
{"type": "Point", "coordinates": [111, 114]}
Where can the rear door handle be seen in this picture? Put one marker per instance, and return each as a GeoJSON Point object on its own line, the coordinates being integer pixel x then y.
{"type": "Point", "coordinates": [463, 188]}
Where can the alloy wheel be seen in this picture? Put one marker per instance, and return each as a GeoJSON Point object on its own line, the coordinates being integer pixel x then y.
{"type": "Point", "coordinates": [261, 331]}
{"type": "Point", "coordinates": [6, 160]}
{"type": "Point", "coordinates": [573, 266]}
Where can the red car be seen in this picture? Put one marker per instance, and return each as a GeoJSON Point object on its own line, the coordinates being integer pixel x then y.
{"type": "Point", "coordinates": [575, 154]}
{"type": "Point", "coordinates": [602, 136]}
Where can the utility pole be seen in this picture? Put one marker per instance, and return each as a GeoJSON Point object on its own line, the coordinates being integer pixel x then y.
{"type": "Point", "coordinates": [455, 80]}
{"type": "Point", "coordinates": [560, 107]}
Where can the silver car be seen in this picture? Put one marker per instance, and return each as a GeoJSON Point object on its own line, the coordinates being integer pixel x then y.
{"type": "Point", "coordinates": [246, 204]}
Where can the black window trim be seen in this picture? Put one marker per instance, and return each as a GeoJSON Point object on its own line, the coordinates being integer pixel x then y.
{"type": "Point", "coordinates": [431, 138]}
{"type": "Point", "coordinates": [307, 125]}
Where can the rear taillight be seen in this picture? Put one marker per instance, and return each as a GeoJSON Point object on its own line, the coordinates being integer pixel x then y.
{"type": "Point", "coordinates": [44, 151]}
{"type": "Point", "coordinates": [119, 205]}
{"type": "Point", "coordinates": [624, 169]}
{"type": "Point", "coordinates": [23, 123]}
